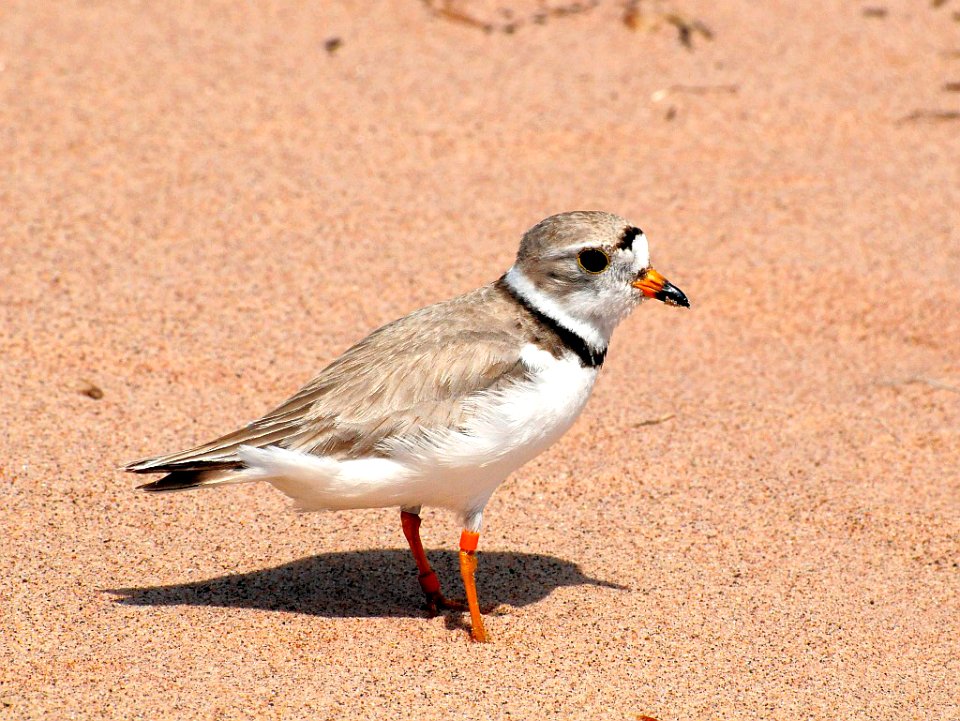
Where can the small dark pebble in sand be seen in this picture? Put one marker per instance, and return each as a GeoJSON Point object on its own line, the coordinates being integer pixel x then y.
{"type": "Point", "coordinates": [92, 391]}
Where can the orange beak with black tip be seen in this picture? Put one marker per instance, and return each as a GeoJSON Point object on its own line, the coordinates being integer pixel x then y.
{"type": "Point", "coordinates": [654, 285]}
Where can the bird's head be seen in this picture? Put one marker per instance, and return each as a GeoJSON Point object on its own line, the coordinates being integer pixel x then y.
{"type": "Point", "coordinates": [591, 266]}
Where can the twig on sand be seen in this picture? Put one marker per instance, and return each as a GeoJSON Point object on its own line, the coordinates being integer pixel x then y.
{"type": "Point", "coordinates": [663, 93]}
{"type": "Point", "coordinates": [451, 10]}
{"type": "Point", "coordinates": [704, 89]}
{"type": "Point", "coordinates": [508, 22]}
{"type": "Point", "coordinates": [655, 421]}
{"type": "Point", "coordinates": [932, 382]}
{"type": "Point", "coordinates": [448, 12]}
{"type": "Point", "coordinates": [934, 116]}
{"type": "Point", "coordinates": [636, 19]}
{"type": "Point", "coordinates": [730, 88]}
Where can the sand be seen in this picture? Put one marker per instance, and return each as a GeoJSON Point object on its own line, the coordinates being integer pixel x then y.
{"type": "Point", "coordinates": [757, 516]}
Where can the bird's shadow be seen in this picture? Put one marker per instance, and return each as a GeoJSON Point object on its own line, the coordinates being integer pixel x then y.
{"type": "Point", "coordinates": [368, 583]}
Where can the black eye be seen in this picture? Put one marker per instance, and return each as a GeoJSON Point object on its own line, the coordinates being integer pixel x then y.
{"type": "Point", "coordinates": [593, 260]}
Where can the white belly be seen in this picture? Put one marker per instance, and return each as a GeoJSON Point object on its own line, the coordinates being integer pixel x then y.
{"type": "Point", "coordinates": [458, 470]}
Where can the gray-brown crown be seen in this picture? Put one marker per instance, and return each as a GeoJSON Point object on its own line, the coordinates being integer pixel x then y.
{"type": "Point", "coordinates": [574, 228]}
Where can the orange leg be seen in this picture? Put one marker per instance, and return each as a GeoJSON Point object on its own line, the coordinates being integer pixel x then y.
{"type": "Point", "coordinates": [468, 566]}
{"type": "Point", "coordinates": [428, 579]}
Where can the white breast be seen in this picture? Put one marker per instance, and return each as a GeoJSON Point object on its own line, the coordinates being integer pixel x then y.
{"type": "Point", "coordinates": [508, 428]}
{"type": "Point", "coordinates": [521, 422]}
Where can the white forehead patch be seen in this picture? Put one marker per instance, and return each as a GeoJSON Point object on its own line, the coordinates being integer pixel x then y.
{"type": "Point", "coordinates": [641, 252]}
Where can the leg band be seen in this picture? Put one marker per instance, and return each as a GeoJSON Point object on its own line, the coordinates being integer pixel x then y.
{"type": "Point", "coordinates": [469, 541]}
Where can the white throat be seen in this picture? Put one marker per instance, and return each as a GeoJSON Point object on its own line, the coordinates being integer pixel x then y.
{"type": "Point", "coordinates": [520, 284]}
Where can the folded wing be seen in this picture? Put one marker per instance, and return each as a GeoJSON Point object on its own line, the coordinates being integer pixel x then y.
{"type": "Point", "coordinates": [410, 377]}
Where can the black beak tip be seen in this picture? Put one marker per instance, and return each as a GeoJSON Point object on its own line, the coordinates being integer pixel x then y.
{"type": "Point", "coordinates": [672, 295]}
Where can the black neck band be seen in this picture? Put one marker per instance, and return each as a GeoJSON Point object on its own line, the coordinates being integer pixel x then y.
{"type": "Point", "coordinates": [588, 356]}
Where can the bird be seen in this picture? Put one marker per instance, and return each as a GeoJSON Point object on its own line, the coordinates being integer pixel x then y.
{"type": "Point", "coordinates": [437, 408]}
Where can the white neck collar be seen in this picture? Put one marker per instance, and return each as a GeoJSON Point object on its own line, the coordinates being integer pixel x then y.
{"type": "Point", "coordinates": [520, 284]}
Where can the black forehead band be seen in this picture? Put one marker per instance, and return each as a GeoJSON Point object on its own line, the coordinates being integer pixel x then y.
{"type": "Point", "coordinates": [626, 240]}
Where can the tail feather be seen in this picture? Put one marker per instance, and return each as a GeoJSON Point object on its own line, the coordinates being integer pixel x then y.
{"type": "Point", "coordinates": [158, 466]}
{"type": "Point", "coordinates": [218, 454]}
{"type": "Point", "coordinates": [184, 480]}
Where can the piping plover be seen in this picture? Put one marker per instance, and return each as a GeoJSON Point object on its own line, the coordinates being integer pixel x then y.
{"type": "Point", "coordinates": [437, 408]}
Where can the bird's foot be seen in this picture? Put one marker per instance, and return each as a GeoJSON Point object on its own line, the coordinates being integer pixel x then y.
{"type": "Point", "coordinates": [436, 602]}
{"type": "Point", "coordinates": [478, 634]}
